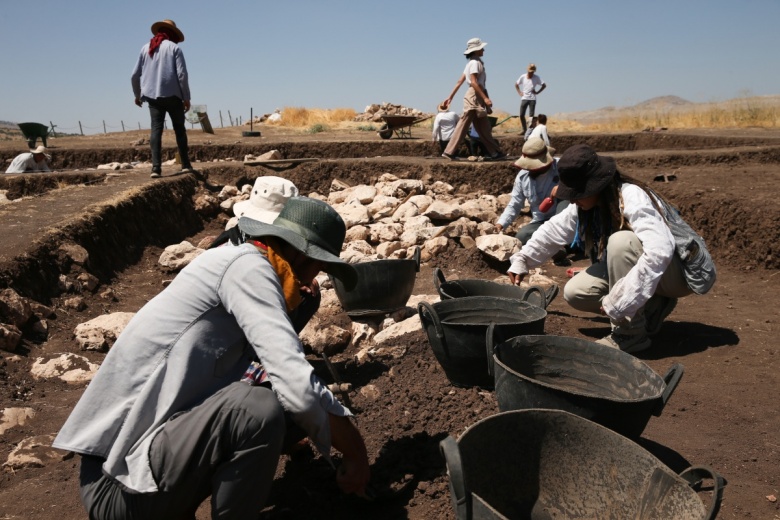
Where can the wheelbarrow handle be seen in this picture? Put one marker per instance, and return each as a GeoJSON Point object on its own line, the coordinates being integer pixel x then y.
{"type": "Point", "coordinates": [672, 379]}
{"type": "Point", "coordinates": [695, 474]}
{"type": "Point", "coordinates": [461, 497]}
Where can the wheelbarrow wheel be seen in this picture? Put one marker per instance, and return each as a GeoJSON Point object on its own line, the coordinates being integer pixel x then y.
{"type": "Point", "coordinates": [385, 132]}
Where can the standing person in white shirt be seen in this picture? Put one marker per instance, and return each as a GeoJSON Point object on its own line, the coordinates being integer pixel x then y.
{"type": "Point", "coordinates": [443, 126]}
{"type": "Point", "coordinates": [526, 86]}
{"type": "Point", "coordinates": [644, 255]}
{"type": "Point", "coordinates": [540, 130]}
{"type": "Point", "coordinates": [476, 104]}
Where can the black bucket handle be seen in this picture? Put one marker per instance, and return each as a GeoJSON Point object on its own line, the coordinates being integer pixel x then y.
{"type": "Point", "coordinates": [416, 258]}
{"type": "Point", "coordinates": [536, 289]}
{"type": "Point", "coordinates": [461, 496]}
{"type": "Point", "coordinates": [695, 474]}
{"type": "Point", "coordinates": [490, 344]}
{"type": "Point", "coordinates": [672, 379]}
{"type": "Point", "coordinates": [424, 308]}
{"type": "Point", "coordinates": [438, 279]}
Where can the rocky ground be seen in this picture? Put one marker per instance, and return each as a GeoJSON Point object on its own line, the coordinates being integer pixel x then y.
{"type": "Point", "coordinates": [722, 414]}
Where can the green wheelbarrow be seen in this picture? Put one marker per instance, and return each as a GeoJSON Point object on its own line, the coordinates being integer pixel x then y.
{"type": "Point", "coordinates": [32, 131]}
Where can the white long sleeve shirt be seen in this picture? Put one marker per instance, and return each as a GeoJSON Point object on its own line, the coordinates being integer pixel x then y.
{"type": "Point", "coordinates": [25, 162]}
{"type": "Point", "coordinates": [630, 293]}
{"type": "Point", "coordinates": [444, 124]}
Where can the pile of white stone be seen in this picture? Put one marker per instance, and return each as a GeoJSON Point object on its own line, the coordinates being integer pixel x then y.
{"type": "Point", "coordinates": [375, 112]}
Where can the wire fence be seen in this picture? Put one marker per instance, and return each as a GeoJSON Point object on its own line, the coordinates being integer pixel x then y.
{"type": "Point", "coordinates": [127, 126]}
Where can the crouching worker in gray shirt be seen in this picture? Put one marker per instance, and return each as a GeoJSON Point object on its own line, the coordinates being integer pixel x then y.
{"type": "Point", "coordinates": [167, 420]}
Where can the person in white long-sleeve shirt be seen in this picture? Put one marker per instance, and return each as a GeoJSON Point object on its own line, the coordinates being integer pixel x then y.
{"type": "Point", "coordinates": [36, 160]}
{"type": "Point", "coordinates": [540, 129]}
{"type": "Point", "coordinates": [443, 126]}
{"type": "Point", "coordinates": [636, 277]}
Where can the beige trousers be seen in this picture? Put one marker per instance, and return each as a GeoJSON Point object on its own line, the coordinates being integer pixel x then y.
{"type": "Point", "coordinates": [586, 290]}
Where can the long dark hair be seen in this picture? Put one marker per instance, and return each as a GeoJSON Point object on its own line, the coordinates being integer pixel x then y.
{"type": "Point", "coordinates": [606, 217]}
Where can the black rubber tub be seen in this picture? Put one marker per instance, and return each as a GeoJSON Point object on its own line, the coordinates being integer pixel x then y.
{"type": "Point", "coordinates": [550, 464]}
{"type": "Point", "coordinates": [474, 287]}
{"type": "Point", "coordinates": [591, 380]}
{"type": "Point", "coordinates": [457, 329]}
{"type": "Point", "coordinates": [383, 286]}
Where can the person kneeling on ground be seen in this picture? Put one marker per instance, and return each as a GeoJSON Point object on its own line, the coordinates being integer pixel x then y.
{"type": "Point", "coordinates": [536, 181]}
{"type": "Point", "coordinates": [166, 421]}
{"type": "Point", "coordinates": [36, 160]}
{"type": "Point", "coordinates": [644, 255]}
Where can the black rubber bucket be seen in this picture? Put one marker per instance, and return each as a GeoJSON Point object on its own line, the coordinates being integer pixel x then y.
{"type": "Point", "coordinates": [545, 464]}
{"type": "Point", "coordinates": [383, 286]}
{"type": "Point", "coordinates": [588, 379]}
{"type": "Point", "coordinates": [456, 331]}
{"type": "Point", "coordinates": [474, 287]}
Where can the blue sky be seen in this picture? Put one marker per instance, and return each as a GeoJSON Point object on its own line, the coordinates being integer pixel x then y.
{"type": "Point", "coordinates": [339, 53]}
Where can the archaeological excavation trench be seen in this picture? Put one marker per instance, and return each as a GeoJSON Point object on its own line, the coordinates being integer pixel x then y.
{"type": "Point", "coordinates": [726, 187]}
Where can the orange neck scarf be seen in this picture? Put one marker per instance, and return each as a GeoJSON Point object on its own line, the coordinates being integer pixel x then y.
{"type": "Point", "coordinates": [291, 287]}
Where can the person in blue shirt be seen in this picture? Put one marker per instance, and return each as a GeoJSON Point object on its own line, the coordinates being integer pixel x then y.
{"type": "Point", "coordinates": [160, 79]}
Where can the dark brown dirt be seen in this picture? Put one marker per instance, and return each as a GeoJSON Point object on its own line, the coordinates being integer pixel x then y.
{"type": "Point", "coordinates": [723, 414]}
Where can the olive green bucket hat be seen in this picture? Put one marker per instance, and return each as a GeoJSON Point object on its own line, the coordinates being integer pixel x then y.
{"type": "Point", "coordinates": [312, 227]}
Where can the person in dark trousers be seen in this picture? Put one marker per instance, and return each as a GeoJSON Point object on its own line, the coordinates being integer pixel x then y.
{"type": "Point", "coordinates": [160, 79]}
{"type": "Point", "coordinates": [174, 414]}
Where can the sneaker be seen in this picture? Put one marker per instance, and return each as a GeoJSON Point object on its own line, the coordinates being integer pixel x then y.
{"type": "Point", "coordinates": [658, 308]}
{"type": "Point", "coordinates": [630, 344]}
{"type": "Point", "coordinates": [448, 156]}
{"type": "Point", "coordinates": [155, 175]}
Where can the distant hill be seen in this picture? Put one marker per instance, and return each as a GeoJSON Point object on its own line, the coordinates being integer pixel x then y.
{"type": "Point", "coordinates": [8, 125]}
{"type": "Point", "coordinates": [657, 104]}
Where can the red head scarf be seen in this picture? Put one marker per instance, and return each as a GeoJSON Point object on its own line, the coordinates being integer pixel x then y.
{"type": "Point", "coordinates": [157, 39]}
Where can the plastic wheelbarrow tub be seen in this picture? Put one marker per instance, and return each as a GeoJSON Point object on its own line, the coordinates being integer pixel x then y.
{"type": "Point", "coordinates": [383, 286]}
{"type": "Point", "coordinates": [594, 381]}
{"type": "Point", "coordinates": [457, 329]}
{"type": "Point", "coordinates": [474, 287]}
{"type": "Point", "coordinates": [550, 464]}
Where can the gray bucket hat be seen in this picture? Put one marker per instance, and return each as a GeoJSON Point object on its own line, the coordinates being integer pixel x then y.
{"type": "Point", "coordinates": [312, 227]}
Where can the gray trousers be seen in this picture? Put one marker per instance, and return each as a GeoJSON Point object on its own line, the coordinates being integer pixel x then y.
{"type": "Point", "coordinates": [586, 289]}
{"type": "Point", "coordinates": [227, 447]}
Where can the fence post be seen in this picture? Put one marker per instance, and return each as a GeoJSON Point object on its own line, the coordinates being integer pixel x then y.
{"type": "Point", "coordinates": [221, 124]}
{"type": "Point", "coordinates": [139, 125]}
{"type": "Point", "coordinates": [104, 127]}
{"type": "Point", "coordinates": [81, 129]}
{"type": "Point", "coordinates": [53, 133]}
{"type": "Point", "coordinates": [230, 118]}
{"type": "Point", "coordinates": [123, 125]}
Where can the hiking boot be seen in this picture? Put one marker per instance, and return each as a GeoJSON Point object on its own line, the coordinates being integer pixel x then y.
{"type": "Point", "coordinates": [630, 344]}
{"type": "Point", "coordinates": [657, 309]}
